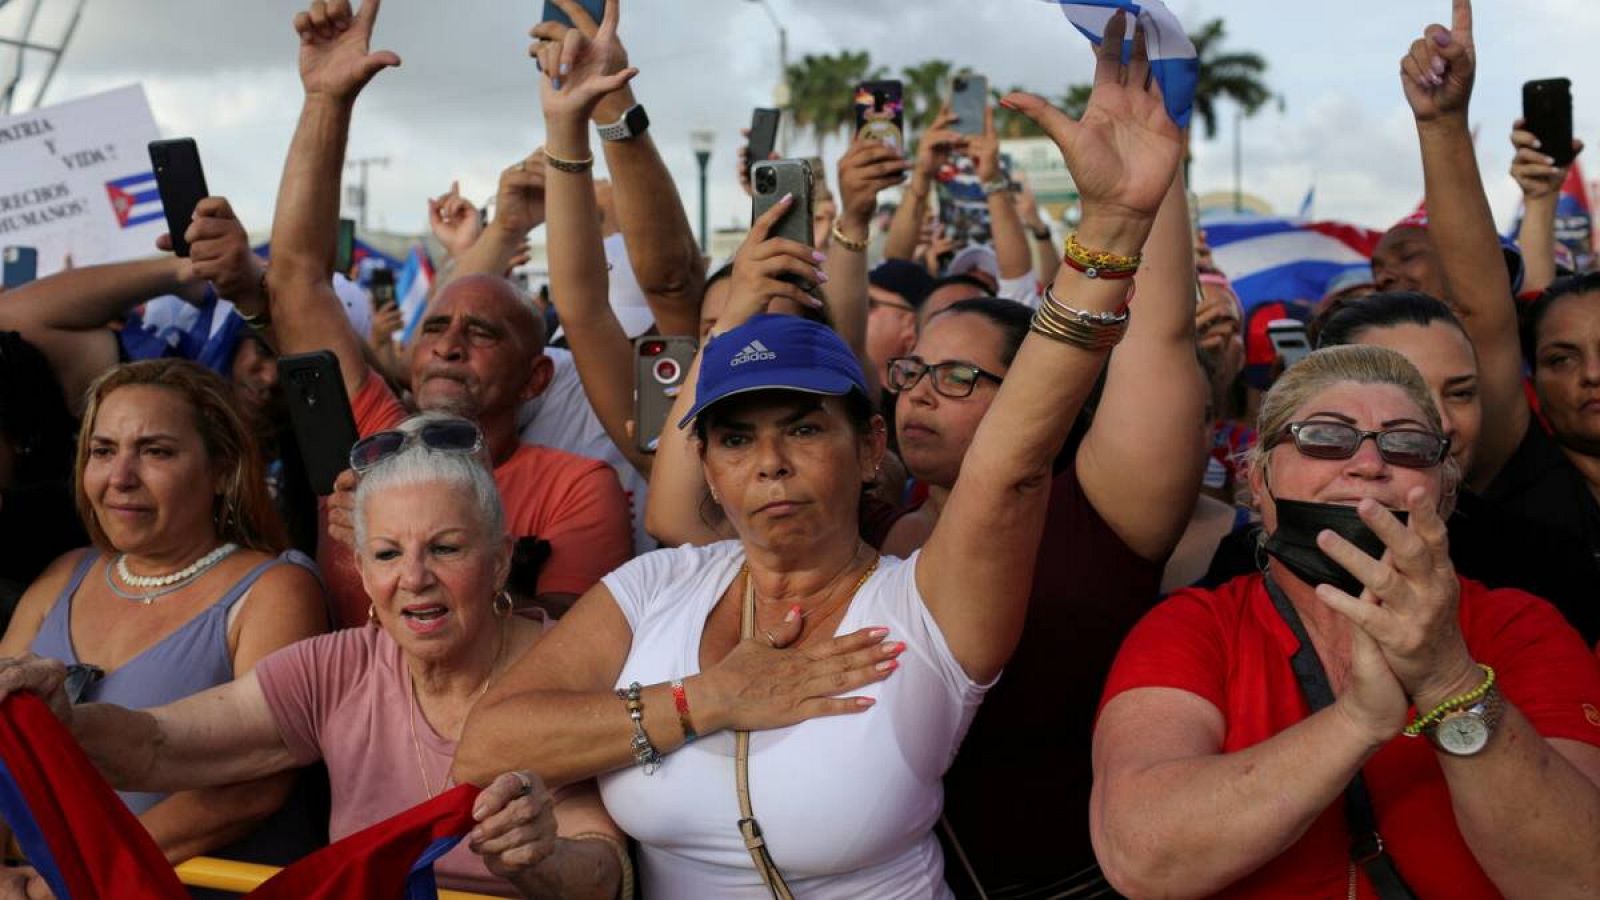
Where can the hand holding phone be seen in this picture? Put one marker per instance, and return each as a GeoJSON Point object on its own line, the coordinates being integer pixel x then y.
{"type": "Point", "coordinates": [880, 112]}
{"type": "Point", "coordinates": [969, 101]}
{"type": "Point", "coordinates": [1547, 112]}
{"type": "Point", "coordinates": [772, 181]}
{"type": "Point", "coordinates": [660, 364]}
{"type": "Point", "coordinates": [181, 183]}
{"type": "Point", "coordinates": [319, 411]}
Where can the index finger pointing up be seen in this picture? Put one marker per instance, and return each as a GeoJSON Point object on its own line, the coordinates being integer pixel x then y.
{"type": "Point", "coordinates": [1461, 20]}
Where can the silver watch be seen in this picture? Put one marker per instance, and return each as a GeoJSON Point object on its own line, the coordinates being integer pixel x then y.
{"type": "Point", "coordinates": [1466, 732]}
{"type": "Point", "coordinates": [632, 124]}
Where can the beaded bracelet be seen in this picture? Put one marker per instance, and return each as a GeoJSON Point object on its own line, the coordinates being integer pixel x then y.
{"type": "Point", "coordinates": [645, 754]}
{"type": "Point", "coordinates": [848, 243]}
{"type": "Point", "coordinates": [1099, 263]}
{"type": "Point", "coordinates": [1461, 701]}
{"type": "Point", "coordinates": [680, 699]}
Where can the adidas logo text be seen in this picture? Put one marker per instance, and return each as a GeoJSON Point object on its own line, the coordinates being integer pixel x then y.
{"type": "Point", "coordinates": [755, 351]}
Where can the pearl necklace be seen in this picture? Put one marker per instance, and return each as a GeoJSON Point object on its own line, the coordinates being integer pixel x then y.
{"type": "Point", "coordinates": [164, 584]}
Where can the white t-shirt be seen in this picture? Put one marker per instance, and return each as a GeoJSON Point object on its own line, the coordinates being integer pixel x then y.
{"type": "Point", "coordinates": [562, 418]}
{"type": "Point", "coordinates": [847, 803]}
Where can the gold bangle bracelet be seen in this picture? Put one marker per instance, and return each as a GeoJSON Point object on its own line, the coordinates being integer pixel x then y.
{"type": "Point", "coordinates": [569, 165]}
{"type": "Point", "coordinates": [848, 243]}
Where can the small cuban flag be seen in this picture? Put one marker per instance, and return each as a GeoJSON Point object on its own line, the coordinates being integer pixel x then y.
{"type": "Point", "coordinates": [135, 200]}
{"type": "Point", "coordinates": [1172, 54]}
{"type": "Point", "coordinates": [411, 288]}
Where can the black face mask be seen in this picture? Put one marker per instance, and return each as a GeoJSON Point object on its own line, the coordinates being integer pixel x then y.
{"type": "Point", "coordinates": [1295, 542]}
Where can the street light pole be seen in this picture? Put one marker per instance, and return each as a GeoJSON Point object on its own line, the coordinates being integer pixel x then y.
{"type": "Point", "coordinates": [702, 142]}
{"type": "Point", "coordinates": [1238, 160]}
{"type": "Point", "coordinates": [361, 192]}
{"type": "Point", "coordinates": [781, 96]}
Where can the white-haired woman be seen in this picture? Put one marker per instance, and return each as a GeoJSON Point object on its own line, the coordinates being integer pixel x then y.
{"type": "Point", "coordinates": [383, 705]}
{"type": "Point", "coordinates": [1250, 741]}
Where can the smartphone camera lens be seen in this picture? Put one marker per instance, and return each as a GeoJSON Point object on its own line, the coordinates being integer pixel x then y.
{"type": "Point", "coordinates": [667, 371]}
{"type": "Point", "coordinates": [766, 181]}
{"type": "Point", "coordinates": [652, 348]}
{"type": "Point", "coordinates": [960, 84]}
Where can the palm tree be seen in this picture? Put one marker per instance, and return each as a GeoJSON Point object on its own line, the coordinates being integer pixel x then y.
{"type": "Point", "coordinates": [822, 91]}
{"type": "Point", "coordinates": [1076, 100]}
{"type": "Point", "coordinates": [1236, 76]}
{"type": "Point", "coordinates": [925, 87]}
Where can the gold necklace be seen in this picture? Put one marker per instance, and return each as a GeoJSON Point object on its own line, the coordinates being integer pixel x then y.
{"type": "Point", "coordinates": [411, 720]}
{"type": "Point", "coordinates": [829, 610]}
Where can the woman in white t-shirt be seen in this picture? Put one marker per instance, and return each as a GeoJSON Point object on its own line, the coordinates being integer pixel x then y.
{"type": "Point", "coordinates": [857, 676]}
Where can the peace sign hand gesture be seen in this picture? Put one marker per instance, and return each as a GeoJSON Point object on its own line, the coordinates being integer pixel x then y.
{"type": "Point", "coordinates": [1438, 72]}
{"type": "Point", "coordinates": [335, 61]}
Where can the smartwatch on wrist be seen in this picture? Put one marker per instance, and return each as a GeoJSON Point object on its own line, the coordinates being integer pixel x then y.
{"type": "Point", "coordinates": [632, 124]}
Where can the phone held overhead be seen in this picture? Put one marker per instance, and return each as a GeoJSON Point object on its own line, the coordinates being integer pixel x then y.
{"type": "Point", "coordinates": [181, 183]}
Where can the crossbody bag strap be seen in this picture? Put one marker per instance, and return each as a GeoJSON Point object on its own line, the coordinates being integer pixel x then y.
{"type": "Point", "coordinates": [1366, 844]}
{"type": "Point", "coordinates": [749, 828]}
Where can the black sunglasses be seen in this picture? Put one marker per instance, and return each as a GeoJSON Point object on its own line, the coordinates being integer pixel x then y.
{"type": "Point", "coordinates": [1413, 448]}
{"type": "Point", "coordinates": [950, 379]}
{"type": "Point", "coordinates": [454, 436]}
{"type": "Point", "coordinates": [80, 677]}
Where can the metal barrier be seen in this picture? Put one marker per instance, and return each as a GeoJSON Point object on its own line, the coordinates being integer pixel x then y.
{"type": "Point", "coordinates": [241, 878]}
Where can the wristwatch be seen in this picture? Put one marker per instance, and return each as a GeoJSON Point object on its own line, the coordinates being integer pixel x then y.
{"type": "Point", "coordinates": [1465, 732]}
{"type": "Point", "coordinates": [632, 124]}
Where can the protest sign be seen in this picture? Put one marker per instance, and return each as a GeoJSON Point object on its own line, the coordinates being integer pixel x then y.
{"type": "Point", "coordinates": [75, 178]}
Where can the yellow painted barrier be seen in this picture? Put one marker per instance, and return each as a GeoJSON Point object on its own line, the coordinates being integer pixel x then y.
{"type": "Point", "coordinates": [241, 878]}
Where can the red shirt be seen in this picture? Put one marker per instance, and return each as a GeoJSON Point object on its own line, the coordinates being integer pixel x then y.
{"type": "Point", "coordinates": [1231, 647]}
{"type": "Point", "coordinates": [574, 502]}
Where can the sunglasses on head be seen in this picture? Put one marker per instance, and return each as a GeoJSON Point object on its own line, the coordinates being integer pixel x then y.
{"type": "Point", "coordinates": [1412, 448]}
{"type": "Point", "coordinates": [454, 436]}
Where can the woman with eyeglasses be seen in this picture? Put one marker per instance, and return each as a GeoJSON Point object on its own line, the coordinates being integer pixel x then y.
{"type": "Point", "coordinates": [186, 585]}
{"type": "Point", "coordinates": [382, 705]}
{"type": "Point", "coordinates": [1356, 720]}
{"type": "Point", "coordinates": [771, 715]}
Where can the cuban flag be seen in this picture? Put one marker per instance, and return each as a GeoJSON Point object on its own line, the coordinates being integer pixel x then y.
{"type": "Point", "coordinates": [1286, 259]}
{"type": "Point", "coordinates": [411, 287]}
{"type": "Point", "coordinates": [1172, 54]}
{"type": "Point", "coordinates": [135, 200]}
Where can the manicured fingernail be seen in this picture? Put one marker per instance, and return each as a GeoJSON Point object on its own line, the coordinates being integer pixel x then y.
{"type": "Point", "coordinates": [794, 613]}
{"type": "Point", "coordinates": [1438, 65]}
{"type": "Point", "coordinates": [888, 665]}
{"type": "Point", "coordinates": [822, 276]}
{"type": "Point", "coordinates": [865, 702]}
{"type": "Point", "coordinates": [786, 198]}
{"type": "Point", "coordinates": [565, 68]}
{"type": "Point", "coordinates": [1549, 160]}
{"type": "Point", "coordinates": [878, 632]}
{"type": "Point", "coordinates": [1536, 144]}
{"type": "Point", "coordinates": [818, 256]}
{"type": "Point", "coordinates": [1442, 38]}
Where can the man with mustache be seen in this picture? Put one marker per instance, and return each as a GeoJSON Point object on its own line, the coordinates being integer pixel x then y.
{"type": "Point", "coordinates": [478, 353]}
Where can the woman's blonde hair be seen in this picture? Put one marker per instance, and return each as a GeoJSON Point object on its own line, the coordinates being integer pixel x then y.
{"type": "Point", "coordinates": [242, 512]}
{"type": "Point", "coordinates": [1357, 363]}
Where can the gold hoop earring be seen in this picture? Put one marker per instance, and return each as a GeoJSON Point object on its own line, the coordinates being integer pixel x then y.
{"type": "Point", "coordinates": [505, 608]}
{"type": "Point", "coordinates": [372, 615]}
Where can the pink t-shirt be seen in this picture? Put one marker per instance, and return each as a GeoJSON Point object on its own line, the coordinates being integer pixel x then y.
{"type": "Point", "coordinates": [345, 698]}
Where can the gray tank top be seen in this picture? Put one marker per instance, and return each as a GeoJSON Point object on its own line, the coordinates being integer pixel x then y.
{"type": "Point", "coordinates": [185, 662]}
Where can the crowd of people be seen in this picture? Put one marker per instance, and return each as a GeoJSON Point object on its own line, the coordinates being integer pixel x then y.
{"type": "Point", "coordinates": [1010, 570]}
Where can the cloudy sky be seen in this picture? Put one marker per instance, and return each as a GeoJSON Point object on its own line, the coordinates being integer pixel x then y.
{"type": "Point", "coordinates": [464, 104]}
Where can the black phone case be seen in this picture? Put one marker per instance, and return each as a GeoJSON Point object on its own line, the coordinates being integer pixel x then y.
{"type": "Point", "coordinates": [653, 391]}
{"type": "Point", "coordinates": [763, 133]}
{"type": "Point", "coordinates": [182, 184]}
{"type": "Point", "coordinates": [319, 411]}
{"type": "Point", "coordinates": [552, 13]}
{"type": "Point", "coordinates": [1547, 112]}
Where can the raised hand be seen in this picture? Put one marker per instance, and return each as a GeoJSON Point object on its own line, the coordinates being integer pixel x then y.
{"type": "Point", "coordinates": [1410, 604]}
{"type": "Point", "coordinates": [335, 60]}
{"type": "Point", "coordinates": [764, 684]}
{"type": "Point", "coordinates": [1438, 71]}
{"type": "Point", "coordinates": [867, 168]}
{"type": "Point", "coordinates": [760, 266]}
{"type": "Point", "coordinates": [519, 202]}
{"type": "Point", "coordinates": [613, 54]}
{"type": "Point", "coordinates": [581, 69]}
{"type": "Point", "coordinates": [516, 830]}
{"type": "Point", "coordinates": [985, 149]}
{"type": "Point", "coordinates": [1124, 152]}
{"type": "Point", "coordinates": [936, 144]}
{"type": "Point", "coordinates": [219, 252]}
{"type": "Point", "coordinates": [1534, 171]}
{"type": "Point", "coordinates": [454, 220]}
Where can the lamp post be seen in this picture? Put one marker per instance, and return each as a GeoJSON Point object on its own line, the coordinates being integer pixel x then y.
{"type": "Point", "coordinates": [780, 95]}
{"type": "Point", "coordinates": [702, 141]}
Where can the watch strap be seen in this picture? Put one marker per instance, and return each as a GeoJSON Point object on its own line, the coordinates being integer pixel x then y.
{"type": "Point", "coordinates": [1489, 709]}
{"type": "Point", "coordinates": [633, 123]}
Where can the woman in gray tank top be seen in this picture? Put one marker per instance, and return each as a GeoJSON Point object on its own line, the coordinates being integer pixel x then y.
{"type": "Point", "coordinates": [171, 490]}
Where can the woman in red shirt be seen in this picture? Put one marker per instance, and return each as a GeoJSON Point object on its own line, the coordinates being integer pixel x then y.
{"type": "Point", "coordinates": [1250, 741]}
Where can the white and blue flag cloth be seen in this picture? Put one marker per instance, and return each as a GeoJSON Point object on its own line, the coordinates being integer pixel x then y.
{"type": "Point", "coordinates": [1172, 54]}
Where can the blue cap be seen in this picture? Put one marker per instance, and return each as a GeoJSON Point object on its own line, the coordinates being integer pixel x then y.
{"type": "Point", "coordinates": [772, 352]}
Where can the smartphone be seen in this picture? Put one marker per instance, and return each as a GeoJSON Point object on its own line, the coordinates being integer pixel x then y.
{"type": "Point", "coordinates": [763, 133]}
{"type": "Point", "coordinates": [319, 411]}
{"type": "Point", "coordinates": [182, 185]}
{"type": "Point", "coordinates": [1289, 342]}
{"type": "Point", "coordinates": [344, 253]}
{"type": "Point", "coordinates": [21, 266]}
{"type": "Point", "coordinates": [595, 8]}
{"type": "Point", "coordinates": [770, 180]}
{"type": "Point", "coordinates": [969, 100]}
{"type": "Point", "coordinates": [381, 286]}
{"type": "Point", "coordinates": [880, 112]}
{"type": "Point", "coordinates": [1547, 112]}
{"type": "Point", "coordinates": [660, 364]}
